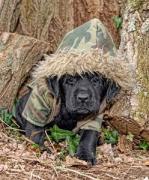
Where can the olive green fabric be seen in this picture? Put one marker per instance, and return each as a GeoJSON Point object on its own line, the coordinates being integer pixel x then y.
{"type": "Point", "coordinates": [88, 48]}
{"type": "Point", "coordinates": [42, 105]}
{"type": "Point", "coordinates": [92, 34]}
{"type": "Point", "coordinates": [90, 123]}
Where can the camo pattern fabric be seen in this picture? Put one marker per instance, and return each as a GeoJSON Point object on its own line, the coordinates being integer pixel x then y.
{"type": "Point", "coordinates": [90, 123]}
{"type": "Point", "coordinates": [92, 34]}
{"type": "Point", "coordinates": [41, 107]}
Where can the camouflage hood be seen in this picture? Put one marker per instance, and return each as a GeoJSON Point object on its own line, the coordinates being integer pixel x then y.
{"type": "Point", "coordinates": [88, 48]}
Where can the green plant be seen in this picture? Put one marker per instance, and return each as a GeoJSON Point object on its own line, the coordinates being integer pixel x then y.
{"type": "Point", "coordinates": [72, 144]}
{"type": "Point", "coordinates": [117, 22]}
{"type": "Point", "coordinates": [6, 117]}
{"type": "Point", "coordinates": [130, 137]}
{"type": "Point", "coordinates": [35, 146]}
{"type": "Point", "coordinates": [72, 139]}
{"type": "Point", "coordinates": [63, 153]}
{"type": "Point", "coordinates": [110, 137]}
{"type": "Point", "coordinates": [144, 145]}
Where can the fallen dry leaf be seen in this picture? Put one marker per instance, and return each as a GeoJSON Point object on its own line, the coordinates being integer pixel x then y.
{"type": "Point", "coordinates": [126, 159]}
{"type": "Point", "coordinates": [72, 161]}
{"type": "Point", "coordinates": [118, 160]}
{"type": "Point", "coordinates": [18, 161]}
{"type": "Point", "coordinates": [107, 150]}
{"type": "Point", "coordinates": [146, 163]}
{"type": "Point", "coordinates": [3, 167]}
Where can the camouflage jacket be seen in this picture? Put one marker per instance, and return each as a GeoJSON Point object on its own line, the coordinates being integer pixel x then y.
{"type": "Point", "coordinates": [42, 106]}
{"type": "Point", "coordinates": [73, 56]}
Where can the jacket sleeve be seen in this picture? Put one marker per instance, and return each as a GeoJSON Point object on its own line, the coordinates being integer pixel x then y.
{"type": "Point", "coordinates": [40, 106]}
{"type": "Point", "coordinates": [90, 123]}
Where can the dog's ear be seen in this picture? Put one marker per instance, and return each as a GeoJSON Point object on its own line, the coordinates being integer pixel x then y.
{"type": "Point", "coordinates": [112, 91]}
{"type": "Point", "coordinates": [53, 85]}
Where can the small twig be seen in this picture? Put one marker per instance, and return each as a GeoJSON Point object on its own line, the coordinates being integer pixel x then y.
{"type": "Point", "coordinates": [50, 142]}
{"type": "Point", "coordinates": [20, 130]}
{"type": "Point", "coordinates": [11, 173]}
{"type": "Point", "coordinates": [13, 120]}
{"type": "Point", "coordinates": [113, 177]}
{"type": "Point", "coordinates": [28, 140]}
{"type": "Point", "coordinates": [34, 159]}
{"type": "Point", "coordinates": [8, 126]}
{"type": "Point", "coordinates": [33, 175]}
{"type": "Point", "coordinates": [77, 172]}
{"type": "Point", "coordinates": [128, 170]}
{"type": "Point", "coordinates": [66, 176]}
{"type": "Point", "coordinates": [22, 158]}
{"type": "Point", "coordinates": [7, 137]}
{"type": "Point", "coordinates": [137, 166]}
{"type": "Point", "coordinates": [55, 170]}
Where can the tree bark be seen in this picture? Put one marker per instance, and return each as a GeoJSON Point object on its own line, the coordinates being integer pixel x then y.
{"type": "Point", "coordinates": [9, 15]}
{"type": "Point", "coordinates": [105, 10]}
{"type": "Point", "coordinates": [18, 54]}
{"type": "Point", "coordinates": [131, 113]}
{"type": "Point", "coordinates": [49, 20]}
{"type": "Point", "coordinates": [46, 20]}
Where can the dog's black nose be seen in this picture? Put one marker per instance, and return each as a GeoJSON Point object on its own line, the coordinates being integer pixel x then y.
{"type": "Point", "coordinates": [83, 97]}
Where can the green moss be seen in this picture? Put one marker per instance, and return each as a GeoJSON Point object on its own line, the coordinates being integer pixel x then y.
{"type": "Point", "coordinates": [135, 4]}
{"type": "Point", "coordinates": [1, 46]}
{"type": "Point", "coordinates": [143, 78]}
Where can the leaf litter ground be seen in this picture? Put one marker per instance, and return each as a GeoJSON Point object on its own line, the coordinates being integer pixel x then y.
{"type": "Point", "coordinates": [21, 160]}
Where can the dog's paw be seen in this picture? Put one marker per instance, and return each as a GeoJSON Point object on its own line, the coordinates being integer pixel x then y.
{"type": "Point", "coordinates": [35, 133]}
{"type": "Point", "coordinates": [84, 154]}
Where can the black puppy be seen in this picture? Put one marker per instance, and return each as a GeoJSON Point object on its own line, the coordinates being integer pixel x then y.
{"type": "Point", "coordinates": [81, 96]}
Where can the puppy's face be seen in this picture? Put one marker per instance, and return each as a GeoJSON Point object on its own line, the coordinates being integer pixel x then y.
{"type": "Point", "coordinates": [83, 94]}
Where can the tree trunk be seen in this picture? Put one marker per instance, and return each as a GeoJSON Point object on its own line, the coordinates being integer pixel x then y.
{"type": "Point", "coordinates": [105, 10]}
{"type": "Point", "coordinates": [131, 113]}
{"type": "Point", "coordinates": [46, 20]}
{"type": "Point", "coordinates": [18, 54]}
{"type": "Point", "coordinates": [49, 20]}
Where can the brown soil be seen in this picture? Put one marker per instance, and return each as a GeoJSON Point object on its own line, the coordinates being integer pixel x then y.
{"type": "Point", "coordinates": [20, 160]}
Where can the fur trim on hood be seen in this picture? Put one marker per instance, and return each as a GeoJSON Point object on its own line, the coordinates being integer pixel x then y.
{"type": "Point", "coordinates": [112, 67]}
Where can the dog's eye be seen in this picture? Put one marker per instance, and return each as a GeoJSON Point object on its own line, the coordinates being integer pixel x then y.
{"type": "Point", "coordinates": [71, 80]}
{"type": "Point", "coordinates": [95, 79]}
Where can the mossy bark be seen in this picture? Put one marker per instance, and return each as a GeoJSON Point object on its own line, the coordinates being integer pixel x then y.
{"type": "Point", "coordinates": [134, 108]}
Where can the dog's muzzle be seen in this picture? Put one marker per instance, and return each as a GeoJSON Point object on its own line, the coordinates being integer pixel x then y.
{"type": "Point", "coordinates": [82, 98]}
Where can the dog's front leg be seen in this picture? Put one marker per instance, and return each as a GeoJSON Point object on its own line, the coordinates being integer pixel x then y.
{"type": "Point", "coordinates": [35, 133]}
{"type": "Point", "coordinates": [87, 146]}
